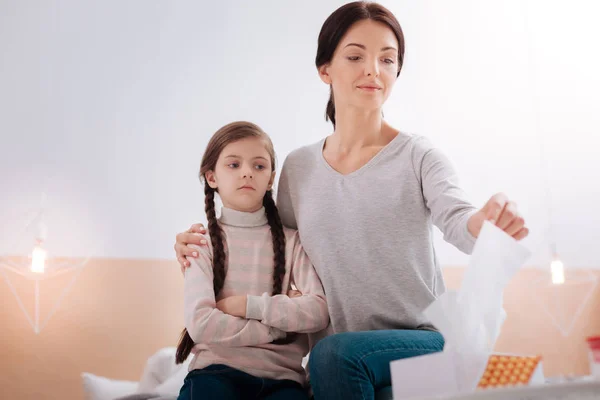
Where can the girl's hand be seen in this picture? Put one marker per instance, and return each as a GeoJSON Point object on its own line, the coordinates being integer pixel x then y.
{"type": "Point", "coordinates": [293, 291]}
{"type": "Point", "coordinates": [234, 305]}
{"type": "Point", "coordinates": [191, 236]}
{"type": "Point", "coordinates": [502, 213]}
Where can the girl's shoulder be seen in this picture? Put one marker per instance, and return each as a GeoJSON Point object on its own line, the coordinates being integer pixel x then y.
{"type": "Point", "coordinates": [290, 234]}
{"type": "Point", "coordinates": [292, 240]}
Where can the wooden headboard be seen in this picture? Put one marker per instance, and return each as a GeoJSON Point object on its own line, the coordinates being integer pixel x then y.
{"type": "Point", "coordinates": [119, 312]}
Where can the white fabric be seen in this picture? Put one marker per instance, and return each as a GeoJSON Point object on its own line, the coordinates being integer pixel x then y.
{"type": "Point", "coordinates": [161, 375]}
{"type": "Point", "coordinates": [101, 388]}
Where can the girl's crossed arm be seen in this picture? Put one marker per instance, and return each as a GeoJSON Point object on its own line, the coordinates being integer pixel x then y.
{"type": "Point", "coordinates": [304, 314]}
{"type": "Point", "coordinates": [208, 325]}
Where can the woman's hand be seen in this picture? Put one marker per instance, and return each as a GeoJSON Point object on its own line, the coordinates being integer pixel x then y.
{"type": "Point", "coordinates": [234, 305]}
{"type": "Point", "coordinates": [502, 213]}
{"type": "Point", "coordinates": [194, 235]}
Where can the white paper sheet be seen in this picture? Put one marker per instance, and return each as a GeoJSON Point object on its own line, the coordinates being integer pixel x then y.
{"type": "Point", "coordinates": [470, 320]}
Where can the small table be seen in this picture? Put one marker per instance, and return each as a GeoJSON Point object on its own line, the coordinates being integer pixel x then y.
{"type": "Point", "coordinates": [576, 390]}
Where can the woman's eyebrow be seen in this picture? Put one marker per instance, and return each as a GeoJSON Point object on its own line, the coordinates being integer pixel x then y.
{"type": "Point", "coordinates": [362, 46]}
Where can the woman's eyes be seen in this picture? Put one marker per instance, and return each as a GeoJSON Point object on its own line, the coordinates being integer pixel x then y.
{"type": "Point", "coordinates": [385, 60]}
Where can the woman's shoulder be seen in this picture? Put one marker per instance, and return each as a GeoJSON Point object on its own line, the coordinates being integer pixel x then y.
{"type": "Point", "coordinates": [412, 140]}
{"type": "Point", "coordinates": [413, 144]}
{"type": "Point", "coordinates": [304, 154]}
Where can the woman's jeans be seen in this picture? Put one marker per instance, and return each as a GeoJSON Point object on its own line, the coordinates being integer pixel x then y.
{"type": "Point", "coordinates": [356, 365]}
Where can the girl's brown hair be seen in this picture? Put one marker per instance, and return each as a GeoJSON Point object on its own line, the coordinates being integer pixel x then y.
{"type": "Point", "coordinates": [336, 26]}
{"type": "Point", "coordinates": [228, 134]}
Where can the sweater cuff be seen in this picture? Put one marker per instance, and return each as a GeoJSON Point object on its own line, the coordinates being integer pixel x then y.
{"type": "Point", "coordinates": [255, 307]}
{"type": "Point", "coordinates": [468, 240]}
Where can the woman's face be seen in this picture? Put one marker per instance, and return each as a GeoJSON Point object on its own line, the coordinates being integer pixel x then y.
{"type": "Point", "coordinates": [364, 66]}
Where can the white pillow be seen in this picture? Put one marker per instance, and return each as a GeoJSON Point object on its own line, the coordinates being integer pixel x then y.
{"type": "Point", "coordinates": [101, 388]}
{"type": "Point", "coordinates": [172, 385]}
{"type": "Point", "coordinates": [159, 367]}
{"type": "Point", "coordinates": [161, 375]}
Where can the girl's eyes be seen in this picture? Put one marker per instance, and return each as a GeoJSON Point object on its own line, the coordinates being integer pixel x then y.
{"type": "Point", "coordinates": [237, 165]}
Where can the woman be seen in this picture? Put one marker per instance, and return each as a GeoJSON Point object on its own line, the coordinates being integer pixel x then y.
{"type": "Point", "coordinates": [364, 201]}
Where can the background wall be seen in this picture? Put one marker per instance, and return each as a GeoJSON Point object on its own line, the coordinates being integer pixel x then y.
{"type": "Point", "coordinates": [107, 106]}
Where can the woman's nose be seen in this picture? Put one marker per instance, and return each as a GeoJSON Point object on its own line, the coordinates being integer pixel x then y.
{"type": "Point", "coordinates": [372, 68]}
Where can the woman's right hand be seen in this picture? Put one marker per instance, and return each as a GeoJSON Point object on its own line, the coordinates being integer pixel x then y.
{"type": "Point", "coordinates": [194, 235]}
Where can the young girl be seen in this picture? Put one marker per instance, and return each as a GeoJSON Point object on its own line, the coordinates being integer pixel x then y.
{"type": "Point", "coordinates": [247, 335]}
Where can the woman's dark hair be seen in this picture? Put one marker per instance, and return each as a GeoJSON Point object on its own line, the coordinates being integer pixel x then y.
{"type": "Point", "coordinates": [336, 26]}
{"type": "Point", "coordinates": [228, 134]}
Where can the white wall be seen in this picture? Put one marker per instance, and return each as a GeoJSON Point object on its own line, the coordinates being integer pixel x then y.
{"type": "Point", "coordinates": [108, 105]}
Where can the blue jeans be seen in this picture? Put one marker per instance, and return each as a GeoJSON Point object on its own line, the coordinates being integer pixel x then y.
{"type": "Point", "coordinates": [225, 383]}
{"type": "Point", "coordinates": [356, 365]}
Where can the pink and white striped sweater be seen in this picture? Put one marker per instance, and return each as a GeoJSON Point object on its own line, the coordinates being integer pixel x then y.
{"type": "Point", "coordinates": [247, 343]}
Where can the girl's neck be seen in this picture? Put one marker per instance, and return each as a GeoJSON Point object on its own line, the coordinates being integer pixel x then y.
{"type": "Point", "coordinates": [252, 209]}
{"type": "Point", "coordinates": [246, 219]}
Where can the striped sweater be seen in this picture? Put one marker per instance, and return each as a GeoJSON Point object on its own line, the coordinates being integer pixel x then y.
{"type": "Point", "coordinates": [247, 344]}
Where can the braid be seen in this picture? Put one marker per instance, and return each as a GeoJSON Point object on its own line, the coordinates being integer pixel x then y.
{"type": "Point", "coordinates": [184, 347]}
{"type": "Point", "coordinates": [278, 241]}
{"type": "Point", "coordinates": [216, 238]}
{"type": "Point", "coordinates": [186, 344]}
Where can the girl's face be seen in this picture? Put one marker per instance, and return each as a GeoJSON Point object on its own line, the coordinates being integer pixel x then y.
{"type": "Point", "coordinates": [364, 66]}
{"type": "Point", "coordinates": [242, 174]}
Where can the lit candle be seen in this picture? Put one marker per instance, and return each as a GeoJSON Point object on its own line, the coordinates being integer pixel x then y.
{"type": "Point", "coordinates": [38, 259]}
{"type": "Point", "coordinates": [558, 272]}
